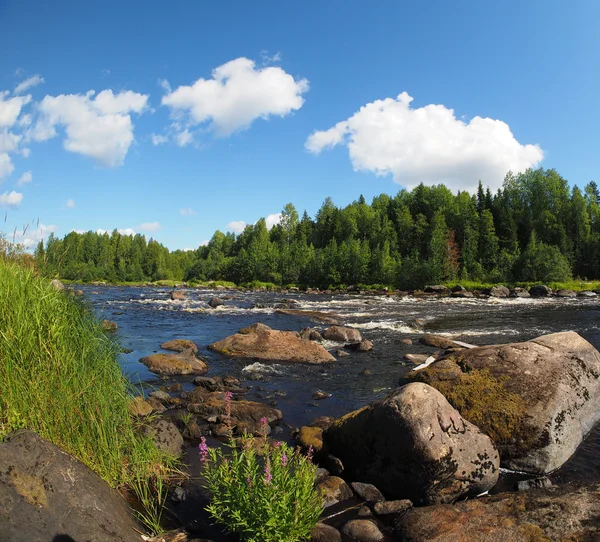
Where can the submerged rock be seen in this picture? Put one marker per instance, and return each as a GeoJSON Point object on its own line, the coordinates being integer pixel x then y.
{"type": "Point", "coordinates": [414, 445]}
{"type": "Point", "coordinates": [262, 342]}
{"type": "Point", "coordinates": [175, 364]}
{"type": "Point", "coordinates": [45, 492]}
{"type": "Point", "coordinates": [561, 513]}
{"type": "Point", "coordinates": [536, 399]}
{"type": "Point", "coordinates": [342, 334]}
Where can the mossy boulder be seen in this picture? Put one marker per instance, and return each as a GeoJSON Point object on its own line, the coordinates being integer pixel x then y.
{"type": "Point", "coordinates": [536, 399]}
{"type": "Point", "coordinates": [568, 513]}
{"type": "Point", "coordinates": [175, 364]}
{"type": "Point", "coordinates": [414, 445]}
{"type": "Point", "coordinates": [310, 437]}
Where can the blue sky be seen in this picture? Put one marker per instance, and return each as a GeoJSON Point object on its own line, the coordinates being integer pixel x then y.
{"type": "Point", "coordinates": [178, 119]}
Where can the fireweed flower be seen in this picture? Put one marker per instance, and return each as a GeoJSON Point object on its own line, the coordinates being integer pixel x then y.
{"type": "Point", "coordinates": [268, 475]}
{"type": "Point", "coordinates": [203, 450]}
{"type": "Point", "coordinates": [284, 459]}
{"type": "Point", "coordinates": [310, 453]}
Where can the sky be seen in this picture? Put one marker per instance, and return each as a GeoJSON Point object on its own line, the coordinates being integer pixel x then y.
{"type": "Point", "coordinates": [178, 119]}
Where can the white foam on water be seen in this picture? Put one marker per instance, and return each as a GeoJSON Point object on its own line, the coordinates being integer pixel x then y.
{"type": "Point", "coordinates": [478, 332]}
{"type": "Point", "coordinates": [391, 325]}
{"type": "Point", "coordinates": [261, 368]}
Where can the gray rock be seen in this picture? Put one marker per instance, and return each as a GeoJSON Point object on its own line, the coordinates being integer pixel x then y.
{"type": "Point", "coordinates": [588, 293]}
{"type": "Point", "coordinates": [536, 483]}
{"type": "Point", "coordinates": [215, 302]}
{"type": "Point", "coordinates": [414, 445]}
{"type": "Point", "coordinates": [540, 291]}
{"type": "Point", "coordinates": [178, 494]}
{"type": "Point", "coordinates": [166, 437]}
{"type": "Point", "coordinates": [566, 293]}
{"type": "Point", "coordinates": [363, 530]}
{"type": "Point", "coordinates": [498, 291]}
{"type": "Point", "coordinates": [437, 289]}
{"type": "Point", "coordinates": [519, 292]}
{"type": "Point", "coordinates": [45, 492]}
{"type": "Point", "coordinates": [367, 492]}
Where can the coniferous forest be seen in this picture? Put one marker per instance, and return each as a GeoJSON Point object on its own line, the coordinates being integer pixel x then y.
{"type": "Point", "coordinates": [535, 228]}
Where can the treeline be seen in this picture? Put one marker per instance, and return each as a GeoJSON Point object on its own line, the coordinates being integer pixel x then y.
{"type": "Point", "coordinates": [535, 228]}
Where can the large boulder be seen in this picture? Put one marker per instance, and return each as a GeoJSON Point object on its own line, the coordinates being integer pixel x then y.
{"type": "Point", "coordinates": [536, 399]}
{"type": "Point", "coordinates": [414, 445]}
{"type": "Point", "coordinates": [560, 513]}
{"type": "Point", "coordinates": [262, 342]}
{"type": "Point", "coordinates": [342, 334]}
{"type": "Point", "coordinates": [175, 364]}
{"type": "Point", "coordinates": [45, 494]}
{"type": "Point", "coordinates": [498, 291]}
{"type": "Point", "coordinates": [540, 291]}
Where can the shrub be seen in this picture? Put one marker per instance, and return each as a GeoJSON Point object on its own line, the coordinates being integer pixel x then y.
{"type": "Point", "coordinates": [262, 491]}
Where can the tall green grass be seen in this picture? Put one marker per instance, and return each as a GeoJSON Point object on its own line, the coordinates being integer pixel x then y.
{"type": "Point", "coordinates": [59, 377]}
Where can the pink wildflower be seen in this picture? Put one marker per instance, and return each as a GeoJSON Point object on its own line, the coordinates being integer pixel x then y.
{"type": "Point", "coordinates": [203, 450]}
{"type": "Point", "coordinates": [284, 459]}
{"type": "Point", "coordinates": [268, 475]}
{"type": "Point", "coordinates": [310, 453]}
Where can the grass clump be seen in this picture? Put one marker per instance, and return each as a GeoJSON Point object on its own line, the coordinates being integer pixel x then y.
{"type": "Point", "coordinates": [59, 377]}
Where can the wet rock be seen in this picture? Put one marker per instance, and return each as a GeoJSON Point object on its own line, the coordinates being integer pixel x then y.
{"type": "Point", "coordinates": [315, 316]}
{"type": "Point", "coordinates": [430, 453]}
{"type": "Point", "coordinates": [180, 345]}
{"type": "Point", "coordinates": [166, 436]}
{"type": "Point", "coordinates": [341, 353]}
{"type": "Point", "coordinates": [44, 491]}
{"type": "Point", "coordinates": [217, 383]}
{"type": "Point", "coordinates": [57, 285]}
{"type": "Point", "coordinates": [405, 341]}
{"type": "Point", "coordinates": [437, 289]}
{"type": "Point", "coordinates": [109, 326]}
{"type": "Point", "coordinates": [177, 295]}
{"type": "Point", "coordinates": [566, 293]}
{"type": "Point", "coordinates": [215, 302]}
{"type": "Point", "coordinates": [310, 437]}
{"type": "Point", "coordinates": [184, 363]}
{"type": "Point", "coordinates": [363, 530]}
{"type": "Point", "coordinates": [437, 341]}
{"type": "Point", "coordinates": [342, 334]}
{"type": "Point", "coordinates": [139, 407]}
{"type": "Point", "coordinates": [325, 533]}
{"type": "Point", "coordinates": [367, 492]}
{"type": "Point", "coordinates": [519, 292]}
{"type": "Point", "coordinates": [498, 291]}
{"type": "Point", "coordinates": [365, 512]}
{"type": "Point", "coordinates": [462, 295]}
{"type": "Point", "coordinates": [388, 508]}
{"type": "Point", "coordinates": [363, 346]}
{"type": "Point", "coordinates": [268, 344]}
{"type": "Point", "coordinates": [536, 399]}
{"type": "Point", "coordinates": [536, 483]}
{"type": "Point", "coordinates": [319, 395]}
{"type": "Point", "coordinates": [540, 291]}
{"type": "Point", "coordinates": [334, 490]}
{"type": "Point", "coordinates": [561, 513]}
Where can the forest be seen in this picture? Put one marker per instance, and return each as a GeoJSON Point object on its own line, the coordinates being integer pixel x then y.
{"type": "Point", "coordinates": [536, 228]}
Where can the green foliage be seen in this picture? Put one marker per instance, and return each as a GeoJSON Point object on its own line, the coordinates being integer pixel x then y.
{"type": "Point", "coordinates": [543, 263]}
{"type": "Point", "coordinates": [262, 491]}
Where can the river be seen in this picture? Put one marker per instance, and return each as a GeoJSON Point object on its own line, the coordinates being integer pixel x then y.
{"type": "Point", "coordinates": [147, 317]}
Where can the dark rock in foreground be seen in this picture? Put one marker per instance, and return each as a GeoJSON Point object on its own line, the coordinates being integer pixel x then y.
{"type": "Point", "coordinates": [261, 342]}
{"type": "Point", "coordinates": [45, 493]}
{"type": "Point", "coordinates": [414, 445]}
{"type": "Point", "coordinates": [536, 399]}
{"type": "Point", "coordinates": [562, 513]}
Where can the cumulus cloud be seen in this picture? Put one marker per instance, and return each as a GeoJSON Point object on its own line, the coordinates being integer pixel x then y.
{"type": "Point", "coordinates": [97, 127]}
{"type": "Point", "coordinates": [158, 139]}
{"type": "Point", "coordinates": [150, 226]}
{"type": "Point", "coordinates": [12, 199]}
{"type": "Point", "coordinates": [70, 204]}
{"type": "Point", "coordinates": [122, 231]}
{"type": "Point", "coordinates": [9, 141]}
{"type": "Point", "coordinates": [26, 178]}
{"type": "Point", "coordinates": [6, 165]}
{"type": "Point", "coordinates": [273, 220]}
{"type": "Point", "coordinates": [30, 82]}
{"type": "Point", "coordinates": [428, 144]}
{"type": "Point", "coordinates": [187, 211]}
{"type": "Point", "coordinates": [205, 243]}
{"type": "Point", "coordinates": [10, 108]}
{"type": "Point", "coordinates": [237, 94]}
{"type": "Point", "coordinates": [29, 238]}
{"type": "Point", "coordinates": [236, 226]}
{"type": "Point", "coordinates": [184, 138]}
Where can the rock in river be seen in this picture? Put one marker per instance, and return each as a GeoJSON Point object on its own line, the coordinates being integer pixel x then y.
{"type": "Point", "coordinates": [180, 345]}
{"type": "Point", "coordinates": [262, 342]}
{"type": "Point", "coordinates": [414, 445]}
{"type": "Point", "coordinates": [175, 364]}
{"type": "Point", "coordinates": [45, 493]}
{"type": "Point", "coordinates": [536, 399]}
{"type": "Point", "coordinates": [342, 334]}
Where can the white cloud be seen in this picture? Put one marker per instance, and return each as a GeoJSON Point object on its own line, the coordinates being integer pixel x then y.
{"type": "Point", "coordinates": [126, 231]}
{"type": "Point", "coordinates": [10, 108]}
{"type": "Point", "coordinates": [25, 152]}
{"type": "Point", "coordinates": [26, 178]}
{"type": "Point", "coordinates": [70, 204]}
{"type": "Point", "coordinates": [158, 139]}
{"type": "Point", "coordinates": [428, 144]}
{"type": "Point", "coordinates": [184, 138]}
{"type": "Point", "coordinates": [236, 226]}
{"type": "Point", "coordinates": [30, 238]}
{"type": "Point", "coordinates": [150, 226]}
{"type": "Point", "coordinates": [165, 85]}
{"type": "Point", "coordinates": [6, 165]}
{"type": "Point", "coordinates": [78, 231]}
{"type": "Point", "coordinates": [30, 82]}
{"type": "Point", "coordinates": [99, 128]}
{"type": "Point", "coordinates": [272, 220]}
{"type": "Point", "coordinates": [237, 94]}
{"type": "Point", "coordinates": [12, 199]}
{"type": "Point", "coordinates": [187, 211]}
{"type": "Point", "coordinates": [205, 243]}
{"type": "Point", "coordinates": [9, 141]}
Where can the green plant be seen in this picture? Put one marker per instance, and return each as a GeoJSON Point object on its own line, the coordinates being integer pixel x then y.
{"type": "Point", "coordinates": [263, 491]}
